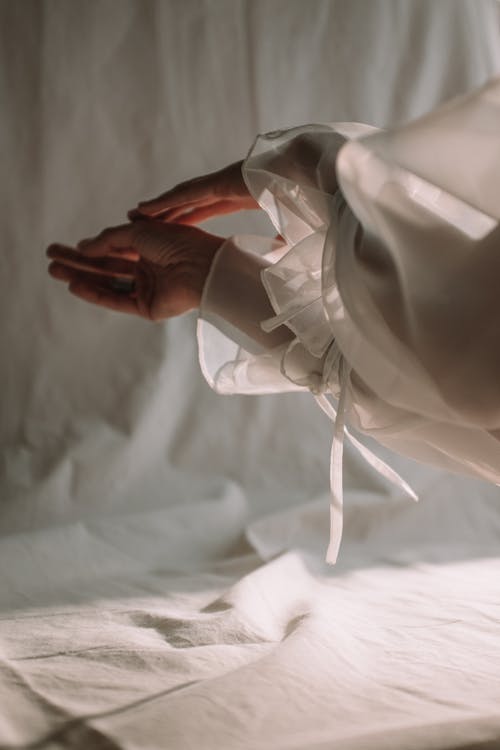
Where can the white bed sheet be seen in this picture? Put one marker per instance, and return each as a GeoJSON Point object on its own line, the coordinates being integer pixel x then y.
{"type": "Point", "coordinates": [108, 642]}
{"type": "Point", "coordinates": [162, 582]}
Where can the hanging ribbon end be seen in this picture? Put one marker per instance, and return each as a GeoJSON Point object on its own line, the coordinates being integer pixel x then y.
{"type": "Point", "coordinates": [332, 554]}
{"type": "Point", "coordinates": [410, 492]}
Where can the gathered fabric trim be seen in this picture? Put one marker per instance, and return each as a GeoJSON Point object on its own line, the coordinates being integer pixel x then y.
{"type": "Point", "coordinates": [335, 373]}
{"type": "Point", "coordinates": [298, 286]}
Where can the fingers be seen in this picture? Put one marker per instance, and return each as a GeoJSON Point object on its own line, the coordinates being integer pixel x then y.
{"type": "Point", "coordinates": [134, 214]}
{"type": "Point", "coordinates": [94, 288]}
{"type": "Point", "coordinates": [194, 213]}
{"type": "Point", "coordinates": [60, 272]}
{"type": "Point", "coordinates": [197, 215]}
{"type": "Point", "coordinates": [124, 253]}
{"type": "Point", "coordinates": [111, 266]}
{"type": "Point", "coordinates": [118, 251]}
{"type": "Point", "coordinates": [213, 192]}
{"type": "Point", "coordinates": [171, 213]}
{"type": "Point", "coordinates": [99, 294]}
{"type": "Point", "coordinates": [139, 239]}
{"type": "Point", "coordinates": [109, 241]}
{"type": "Point", "coordinates": [192, 191]}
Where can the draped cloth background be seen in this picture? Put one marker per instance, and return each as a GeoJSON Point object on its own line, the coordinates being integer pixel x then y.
{"type": "Point", "coordinates": [162, 546]}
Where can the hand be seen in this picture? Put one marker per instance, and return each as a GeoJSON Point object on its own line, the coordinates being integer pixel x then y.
{"type": "Point", "coordinates": [164, 268]}
{"type": "Point", "coordinates": [194, 201]}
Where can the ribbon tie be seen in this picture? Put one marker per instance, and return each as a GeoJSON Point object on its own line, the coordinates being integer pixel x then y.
{"type": "Point", "coordinates": [335, 368]}
{"type": "Point", "coordinates": [335, 364]}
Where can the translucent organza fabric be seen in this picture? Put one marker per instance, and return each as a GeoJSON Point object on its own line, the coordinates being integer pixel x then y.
{"type": "Point", "coordinates": [385, 294]}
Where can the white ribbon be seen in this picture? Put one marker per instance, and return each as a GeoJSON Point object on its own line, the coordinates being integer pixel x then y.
{"type": "Point", "coordinates": [335, 362]}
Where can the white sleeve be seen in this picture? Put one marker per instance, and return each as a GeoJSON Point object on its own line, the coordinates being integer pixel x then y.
{"type": "Point", "coordinates": [428, 265]}
{"type": "Point", "coordinates": [398, 266]}
{"type": "Point", "coordinates": [236, 355]}
{"type": "Point", "coordinates": [410, 276]}
{"type": "Point", "coordinates": [234, 298]}
{"type": "Point", "coordinates": [388, 284]}
{"type": "Point", "coordinates": [288, 173]}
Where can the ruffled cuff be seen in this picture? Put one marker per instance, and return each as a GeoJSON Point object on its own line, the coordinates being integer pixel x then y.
{"type": "Point", "coordinates": [236, 355]}
{"type": "Point", "coordinates": [250, 300]}
{"type": "Point", "coordinates": [263, 326]}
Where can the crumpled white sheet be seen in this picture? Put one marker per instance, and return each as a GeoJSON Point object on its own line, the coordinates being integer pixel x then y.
{"type": "Point", "coordinates": [107, 643]}
{"type": "Point", "coordinates": [386, 282]}
{"type": "Point", "coordinates": [118, 461]}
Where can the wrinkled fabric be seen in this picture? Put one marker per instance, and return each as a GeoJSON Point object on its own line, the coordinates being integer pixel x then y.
{"type": "Point", "coordinates": [161, 551]}
{"type": "Point", "coordinates": [391, 259]}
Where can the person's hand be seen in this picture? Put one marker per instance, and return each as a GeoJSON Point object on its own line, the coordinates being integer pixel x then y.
{"type": "Point", "coordinates": [145, 268]}
{"type": "Point", "coordinates": [196, 200]}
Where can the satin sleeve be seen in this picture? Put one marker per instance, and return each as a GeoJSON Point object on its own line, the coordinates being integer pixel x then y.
{"type": "Point", "coordinates": [390, 266]}
{"type": "Point", "coordinates": [256, 336]}
{"type": "Point", "coordinates": [410, 280]}
{"type": "Point", "coordinates": [236, 355]}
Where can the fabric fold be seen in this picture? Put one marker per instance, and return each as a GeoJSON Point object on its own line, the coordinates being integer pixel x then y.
{"type": "Point", "coordinates": [385, 289]}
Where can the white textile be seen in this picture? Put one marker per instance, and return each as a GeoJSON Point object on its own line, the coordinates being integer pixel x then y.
{"type": "Point", "coordinates": [386, 294]}
{"type": "Point", "coordinates": [162, 584]}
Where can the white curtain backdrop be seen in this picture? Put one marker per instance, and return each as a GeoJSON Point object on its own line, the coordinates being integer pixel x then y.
{"type": "Point", "coordinates": [106, 103]}
{"type": "Point", "coordinates": [117, 461]}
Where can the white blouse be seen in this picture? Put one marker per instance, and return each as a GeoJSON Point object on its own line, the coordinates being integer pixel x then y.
{"type": "Point", "coordinates": [385, 292]}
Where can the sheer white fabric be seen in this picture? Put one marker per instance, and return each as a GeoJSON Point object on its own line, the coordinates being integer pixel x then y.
{"type": "Point", "coordinates": [385, 293]}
